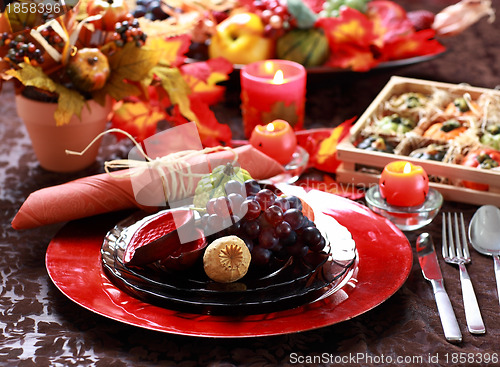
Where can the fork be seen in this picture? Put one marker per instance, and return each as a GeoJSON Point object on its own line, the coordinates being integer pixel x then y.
{"type": "Point", "coordinates": [460, 255]}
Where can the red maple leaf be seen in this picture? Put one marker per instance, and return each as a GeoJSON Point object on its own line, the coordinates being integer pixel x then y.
{"type": "Point", "coordinates": [351, 27]}
{"type": "Point", "coordinates": [203, 78]}
{"type": "Point", "coordinates": [138, 118]}
{"type": "Point", "coordinates": [351, 37]}
{"type": "Point", "coordinates": [416, 44]}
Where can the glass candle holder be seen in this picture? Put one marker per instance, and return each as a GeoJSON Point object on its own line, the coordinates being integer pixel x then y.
{"type": "Point", "coordinates": [271, 90]}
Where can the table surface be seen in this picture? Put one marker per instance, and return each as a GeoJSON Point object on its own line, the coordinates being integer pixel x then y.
{"type": "Point", "coordinates": [40, 326]}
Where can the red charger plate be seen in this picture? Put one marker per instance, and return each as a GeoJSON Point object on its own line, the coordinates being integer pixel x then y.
{"type": "Point", "coordinates": [385, 259]}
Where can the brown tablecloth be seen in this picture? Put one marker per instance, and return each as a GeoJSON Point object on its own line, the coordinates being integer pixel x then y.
{"type": "Point", "coordinates": [40, 326]}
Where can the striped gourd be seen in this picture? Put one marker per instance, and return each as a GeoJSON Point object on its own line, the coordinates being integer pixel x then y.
{"type": "Point", "coordinates": [308, 47]}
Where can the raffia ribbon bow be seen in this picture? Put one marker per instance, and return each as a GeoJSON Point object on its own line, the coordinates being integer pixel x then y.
{"type": "Point", "coordinates": [176, 164]}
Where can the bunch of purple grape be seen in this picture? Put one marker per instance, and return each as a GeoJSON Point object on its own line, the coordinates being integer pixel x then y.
{"type": "Point", "coordinates": [270, 225]}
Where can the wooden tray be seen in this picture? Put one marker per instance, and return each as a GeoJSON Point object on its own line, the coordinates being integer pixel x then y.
{"type": "Point", "coordinates": [362, 168]}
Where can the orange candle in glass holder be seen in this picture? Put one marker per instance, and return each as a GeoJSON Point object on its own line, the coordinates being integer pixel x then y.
{"type": "Point", "coordinates": [403, 184]}
{"type": "Point", "coordinates": [276, 139]}
{"type": "Point", "coordinates": [270, 90]}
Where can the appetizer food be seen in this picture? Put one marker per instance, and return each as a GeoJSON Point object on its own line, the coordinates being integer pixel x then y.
{"type": "Point", "coordinates": [440, 125]}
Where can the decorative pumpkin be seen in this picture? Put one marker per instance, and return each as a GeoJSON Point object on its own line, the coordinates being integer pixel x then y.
{"type": "Point", "coordinates": [444, 131]}
{"type": "Point", "coordinates": [483, 159]}
{"type": "Point", "coordinates": [89, 69]}
{"type": "Point", "coordinates": [308, 47]}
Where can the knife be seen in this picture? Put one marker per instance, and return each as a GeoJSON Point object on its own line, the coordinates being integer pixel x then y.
{"type": "Point", "coordinates": [431, 271]}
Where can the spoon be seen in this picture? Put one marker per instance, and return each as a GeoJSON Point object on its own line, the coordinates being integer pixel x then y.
{"type": "Point", "coordinates": [484, 235]}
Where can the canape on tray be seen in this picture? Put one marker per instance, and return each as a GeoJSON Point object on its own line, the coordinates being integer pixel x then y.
{"type": "Point", "coordinates": [440, 124]}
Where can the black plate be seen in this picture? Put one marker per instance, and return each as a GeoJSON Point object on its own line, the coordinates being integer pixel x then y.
{"type": "Point", "coordinates": [290, 284]}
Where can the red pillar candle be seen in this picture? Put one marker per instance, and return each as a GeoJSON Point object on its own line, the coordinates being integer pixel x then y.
{"type": "Point", "coordinates": [403, 184]}
{"type": "Point", "coordinates": [270, 90]}
{"type": "Point", "coordinates": [276, 139]}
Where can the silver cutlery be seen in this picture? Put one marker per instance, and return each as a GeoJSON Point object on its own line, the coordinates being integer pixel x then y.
{"type": "Point", "coordinates": [430, 269]}
{"type": "Point", "coordinates": [456, 251]}
{"type": "Point", "coordinates": [484, 236]}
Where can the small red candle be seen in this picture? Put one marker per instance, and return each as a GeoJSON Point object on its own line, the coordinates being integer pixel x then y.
{"type": "Point", "coordinates": [404, 184]}
{"type": "Point", "coordinates": [270, 90]}
{"type": "Point", "coordinates": [276, 139]}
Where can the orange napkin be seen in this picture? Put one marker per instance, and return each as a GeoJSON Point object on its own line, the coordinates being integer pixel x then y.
{"type": "Point", "coordinates": [103, 193]}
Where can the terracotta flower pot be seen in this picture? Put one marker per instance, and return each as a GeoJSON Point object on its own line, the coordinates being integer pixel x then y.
{"type": "Point", "coordinates": [50, 141]}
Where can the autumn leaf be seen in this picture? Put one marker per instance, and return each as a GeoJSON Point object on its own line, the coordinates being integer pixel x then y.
{"type": "Point", "coordinates": [32, 76]}
{"type": "Point", "coordinates": [202, 78]}
{"type": "Point", "coordinates": [21, 16]}
{"type": "Point", "coordinates": [133, 63]}
{"type": "Point", "coordinates": [116, 88]}
{"type": "Point", "coordinates": [212, 133]}
{"type": "Point", "coordinates": [174, 84]}
{"type": "Point", "coordinates": [326, 156]}
{"type": "Point", "coordinates": [69, 103]}
{"type": "Point", "coordinates": [351, 39]}
{"type": "Point", "coordinates": [137, 118]}
{"type": "Point", "coordinates": [350, 27]}
{"type": "Point", "coordinates": [189, 107]}
{"type": "Point", "coordinates": [416, 44]}
{"type": "Point", "coordinates": [172, 50]}
{"type": "Point", "coordinates": [130, 64]}
{"type": "Point", "coordinates": [353, 57]}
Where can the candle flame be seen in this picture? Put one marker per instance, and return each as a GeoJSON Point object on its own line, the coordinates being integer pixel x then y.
{"type": "Point", "coordinates": [270, 127]}
{"type": "Point", "coordinates": [407, 168]}
{"type": "Point", "coordinates": [278, 77]}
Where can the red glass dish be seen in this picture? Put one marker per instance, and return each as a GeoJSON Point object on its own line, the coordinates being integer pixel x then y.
{"type": "Point", "coordinates": [385, 259]}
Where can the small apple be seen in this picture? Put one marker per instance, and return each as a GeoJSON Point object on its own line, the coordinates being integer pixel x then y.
{"type": "Point", "coordinates": [240, 39]}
